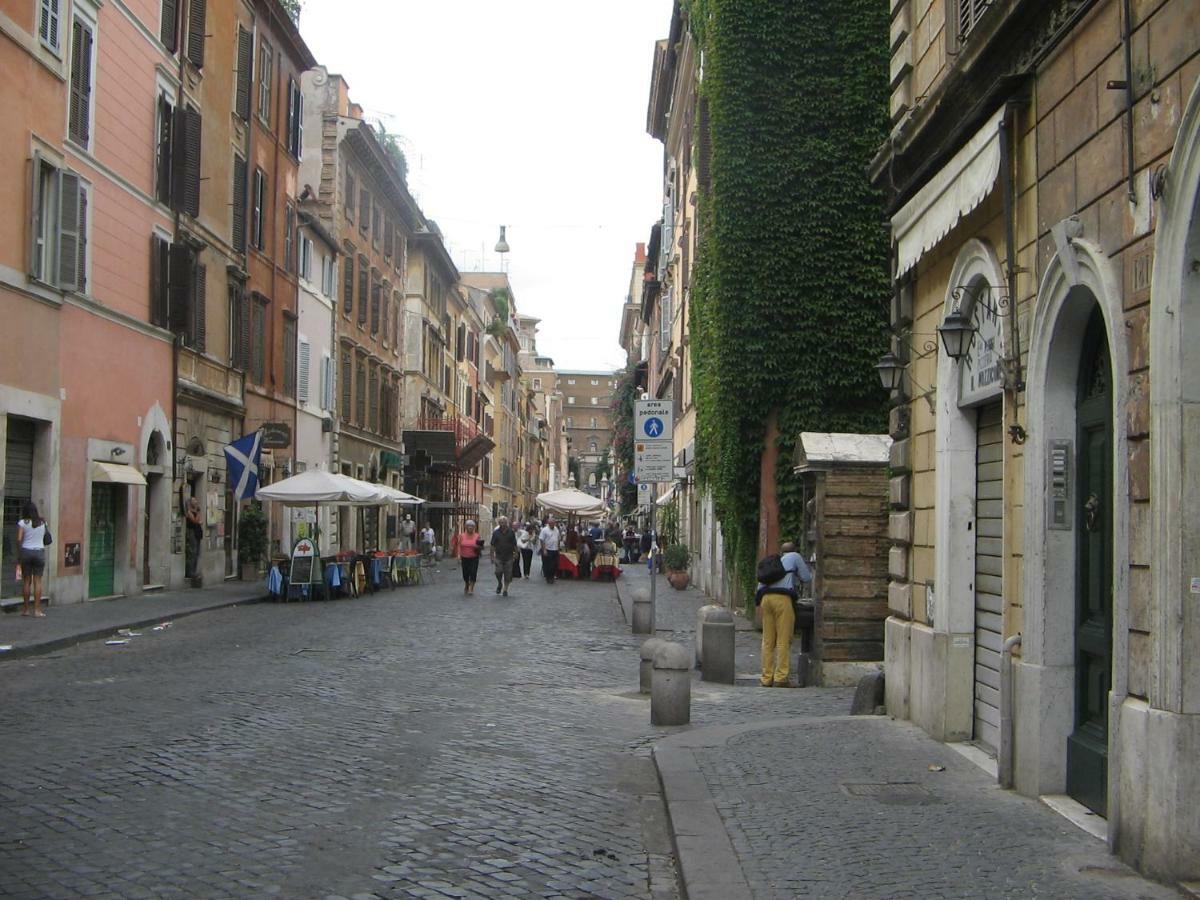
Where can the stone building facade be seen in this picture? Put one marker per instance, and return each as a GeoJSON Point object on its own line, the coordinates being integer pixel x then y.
{"type": "Point", "coordinates": [1042, 175]}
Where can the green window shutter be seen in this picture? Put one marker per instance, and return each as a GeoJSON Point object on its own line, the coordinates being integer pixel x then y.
{"type": "Point", "coordinates": [81, 83]}
{"type": "Point", "coordinates": [69, 236]}
{"type": "Point", "coordinates": [192, 153]}
{"type": "Point", "coordinates": [375, 291]}
{"type": "Point", "coordinates": [168, 28]}
{"type": "Point", "coordinates": [199, 320]}
{"type": "Point", "coordinates": [345, 386]}
{"type": "Point", "coordinates": [159, 266]}
{"type": "Point", "coordinates": [245, 64]}
{"type": "Point", "coordinates": [197, 11]}
{"type": "Point", "coordinates": [239, 204]}
{"type": "Point", "coordinates": [348, 282]}
{"type": "Point", "coordinates": [179, 288]}
{"type": "Point", "coordinates": [363, 282]}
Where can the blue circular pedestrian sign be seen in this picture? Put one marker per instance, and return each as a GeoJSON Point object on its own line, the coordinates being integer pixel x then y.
{"type": "Point", "coordinates": [653, 427]}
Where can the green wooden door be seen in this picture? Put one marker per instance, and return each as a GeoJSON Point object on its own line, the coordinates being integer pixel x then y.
{"type": "Point", "coordinates": [1087, 747]}
{"type": "Point", "coordinates": [102, 545]}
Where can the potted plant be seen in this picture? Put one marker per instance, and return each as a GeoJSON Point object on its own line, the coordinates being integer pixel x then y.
{"type": "Point", "coordinates": [252, 541]}
{"type": "Point", "coordinates": [676, 560]}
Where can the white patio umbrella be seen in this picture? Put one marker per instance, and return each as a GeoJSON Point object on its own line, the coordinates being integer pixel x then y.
{"type": "Point", "coordinates": [396, 496]}
{"type": "Point", "coordinates": [318, 486]}
{"type": "Point", "coordinates": [571, 501]}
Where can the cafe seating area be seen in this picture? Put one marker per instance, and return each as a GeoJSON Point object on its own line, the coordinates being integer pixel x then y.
{"type": "Point", "coordinates": [351, 574]}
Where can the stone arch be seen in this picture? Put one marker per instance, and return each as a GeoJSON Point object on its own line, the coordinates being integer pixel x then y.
{"type": "Point", "coordinates": [1175, 414]}
{"type": "Point", "coordinates": [1078, 280]}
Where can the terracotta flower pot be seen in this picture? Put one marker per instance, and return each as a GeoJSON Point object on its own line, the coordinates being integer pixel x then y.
{"type": "Point", "coordinates": [679, 580]}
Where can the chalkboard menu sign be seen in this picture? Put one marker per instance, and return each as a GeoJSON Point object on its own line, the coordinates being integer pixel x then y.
{"type": "Point", "coordinates": [305, 563]}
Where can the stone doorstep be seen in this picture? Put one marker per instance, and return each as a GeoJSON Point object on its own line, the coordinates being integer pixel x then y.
{"type": "Point", "coordinates": [1078, 815]}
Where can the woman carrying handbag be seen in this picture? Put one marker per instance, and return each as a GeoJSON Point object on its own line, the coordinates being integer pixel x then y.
{"type": "Point", "coordinates": [33, 536]}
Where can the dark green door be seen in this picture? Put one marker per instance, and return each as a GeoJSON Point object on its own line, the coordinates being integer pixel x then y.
{"type": "Point", "coordinates": [102, 545]}
{"type": "Point", "coordinates": [1087, 748]}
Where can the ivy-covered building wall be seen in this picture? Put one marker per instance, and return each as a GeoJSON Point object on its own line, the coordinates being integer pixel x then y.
{"type": "Point", "coordinates": [790, 289]}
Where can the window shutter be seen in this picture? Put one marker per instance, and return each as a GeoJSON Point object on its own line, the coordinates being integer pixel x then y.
{"type": "Point", "coordinates": [192, 151]}
{"type": "Point", "coordinates": [69, 249]}
{"type": "Point", "coordinates": [258, 341]}
{"type": "Point", "coordinates": [48, 25]}
{"type": "Point", "coordinates": [348, 284]}
{"type": "Point", "coordinates": [179, 286]}
{"type": "Point", "coordinates": [168, 28]}
{"type": "Point", "coordinates": [81, 82]}
{"type": "Point", "coordinates": [244, 330]}
{"type": "Point", "coordinates": [159, 266]}
{"type": "Point", "coordinates": [364, 211]}
{"type": "Point", "coordinates": [302, 381]}
{"type": "Point", "coordinates": [195, 42]}
{"type": "Point", "coordinates": [239, 204]}
{"type": "Point", "coordinates": [199, 308]}
{"type": "Point", "coordinates": [289, 357]}
{"type": "Point", "coordinates": [346, 386]}
{"type": "Point", "coordinates": [245, 63]}
{"type": "Point", "coordinates": [375, 307]}
{"type": "Point", "coordinates": [162, 187]}
{"type": "Point", "coordinates": [363, 279]}
{"type": "Point", "coordinates": [326, 392]}
{"type": "Point", "coordinates": [384, 313]}
{"type": "Point", "coordinates": [351, 195]}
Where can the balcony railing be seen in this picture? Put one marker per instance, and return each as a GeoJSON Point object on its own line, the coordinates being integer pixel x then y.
{"type": "Point", "coordinates": [464, 429]}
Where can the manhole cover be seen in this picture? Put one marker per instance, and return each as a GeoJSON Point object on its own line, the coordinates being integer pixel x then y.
{"type": "Point", "coordinates": [901, 792]}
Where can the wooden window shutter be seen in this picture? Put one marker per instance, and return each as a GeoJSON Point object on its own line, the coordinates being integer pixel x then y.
{"type": "Point", "coordinates": [348, 283]}
{"type": "Point", "coordinates": [81, 83]}
{"type": "Point", "coordinates": [363, 282]}
{"type": "Point", "coordinates": [69, 237]}
{"type": "Point", "coordinates": [364, 211]}
{"type": "Point", "coordinates": [199, 321]}
{"type": "Point", "coordinates": [302, 381]}
{"type": "Point", "coordinates": [388, 236]}
{"type": "Point", "coordinates": [244, 329]}
{"type": "Point", "coordinates": [258, 347]}
{"type": "Point", "coordinates": [375, 291]}
{"type": "Point", "coordinates": [351, 195]}
{"type": "Point", "coordinates": [245, 64]}
{"type": "Point", "coordinates": [345, 386]}
{"type": "Point", "coordinates": [192, 153]}
{"type": "Point", "coordinates": [179, 288]}
{"type": "Point", "coordinates": [159, 267]}
{"type": "Point", "coordinates": [239, 203]}
{"type": "Point", "coordinates": [168, 28]}
{"type": "Point", "coordinates": [384, 313]}
{"type": "Point", "coordinates": [197, 10]}
{"type": "Point", "coordinates": [48, 23]}
{"type": "Point", "coordinates": [289, 357]}
{"type": "Point", "coordinates": [166, 115]}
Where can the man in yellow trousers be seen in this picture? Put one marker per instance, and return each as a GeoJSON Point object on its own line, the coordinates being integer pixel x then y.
{"type": "Point", "coordinates": [774, 599]}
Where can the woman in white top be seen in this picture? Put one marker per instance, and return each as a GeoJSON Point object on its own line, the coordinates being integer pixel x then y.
{"type": "Point", "coordinates": [31, 539]}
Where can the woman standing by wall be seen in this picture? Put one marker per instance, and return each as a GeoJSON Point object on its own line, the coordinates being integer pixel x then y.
{"type": "Point", "coordinates": [31, 538]}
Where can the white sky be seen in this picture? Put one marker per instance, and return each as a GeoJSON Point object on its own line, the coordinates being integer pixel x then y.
{"type": "Point", "coordinates": [526, 113]}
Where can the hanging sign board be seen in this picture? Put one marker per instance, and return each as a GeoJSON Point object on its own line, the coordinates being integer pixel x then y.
{"type": "Point", "coordinates": [982, 369]}
{"type": "Point", "coordinates": [654, 420]}
{"type": "Point", "coordinates": [653, 461]}
{"type": "Point", "coordinates": [645, 496]}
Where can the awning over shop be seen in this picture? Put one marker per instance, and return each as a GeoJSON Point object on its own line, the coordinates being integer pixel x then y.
{"type": "Point", "coordinates": [116, 473]}
{"type": "Point", "coordinates": [956, 189]}
{"type": "Point", "coordinates": [666, 498]}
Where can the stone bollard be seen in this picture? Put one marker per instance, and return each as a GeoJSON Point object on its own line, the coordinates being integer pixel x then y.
{"type": "Point", "coordinates": [701, 615]}
{"type": "Point", "coordinates": [643, 613]}
{"type": "Point", "coordinates": [718, 642]}
{"type": "Point", "coordinates": [671, 685]}
{"type": "Point", "coordinates": [646, 668]}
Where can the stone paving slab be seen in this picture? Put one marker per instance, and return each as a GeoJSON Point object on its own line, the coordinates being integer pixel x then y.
{"type": "Point", "coordinates": [867, 807]}
{"type": "Point", "coordinates": [74, 623]}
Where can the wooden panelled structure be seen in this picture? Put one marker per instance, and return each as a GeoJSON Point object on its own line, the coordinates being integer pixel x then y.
{"type": "Point", "coordinates": [846, 496]}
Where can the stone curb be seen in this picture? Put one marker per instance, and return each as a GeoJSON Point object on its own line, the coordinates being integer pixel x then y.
{"type": "Point", "coordinates": [709, 868]}
{"type": "Point", "coordinates": [59, 643]}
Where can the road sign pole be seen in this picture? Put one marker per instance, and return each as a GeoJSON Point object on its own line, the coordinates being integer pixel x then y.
{"type": "Point", "coordinates": [653, 568]}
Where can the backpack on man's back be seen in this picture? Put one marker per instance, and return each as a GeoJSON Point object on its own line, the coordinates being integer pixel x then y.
{"type": "Point", "coordinates": [770, 569]}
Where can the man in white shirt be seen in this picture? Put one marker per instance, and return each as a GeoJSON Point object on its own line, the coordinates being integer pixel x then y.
{"type": "Point", "coordinates": [549, 540]}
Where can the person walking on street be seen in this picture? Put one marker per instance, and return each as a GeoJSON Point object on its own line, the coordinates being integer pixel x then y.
{"type": "Point", "coordinates": [549, 538]}
{"type": "Point", "coordinates": [533, 545]}
{"type": "Point", "coordinates": [408, 530]}
{"type": "Point", "coordinates": [467, 545]}
{"type": "Point", "coordinates": [31, 539]}
{"type": "Point", "coordinates": [504, 554]}
{"type": "Point", "coordinates": [427, 539]}
{"type": "Point", "coordinates": [522, 549]}
{"type": "Point", "coordinates": [774, 601]}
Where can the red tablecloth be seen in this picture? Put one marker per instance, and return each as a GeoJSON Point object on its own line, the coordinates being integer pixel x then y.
{"type": "Point", "coordinates": [567, 565]}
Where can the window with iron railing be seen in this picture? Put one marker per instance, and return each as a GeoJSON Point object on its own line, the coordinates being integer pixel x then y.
{"type": "Point", "coordinates": [969, 12]}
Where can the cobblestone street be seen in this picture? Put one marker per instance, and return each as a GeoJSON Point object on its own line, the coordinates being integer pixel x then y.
{"type": "Point", "coordinates": [413, 743]}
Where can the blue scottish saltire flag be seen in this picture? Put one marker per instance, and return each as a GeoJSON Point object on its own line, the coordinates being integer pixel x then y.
{"type": "Point", "coordinates": [241, 459]}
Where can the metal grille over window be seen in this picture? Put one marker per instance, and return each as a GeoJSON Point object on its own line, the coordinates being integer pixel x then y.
{"type": "Point", "coordinates": [969, 14]}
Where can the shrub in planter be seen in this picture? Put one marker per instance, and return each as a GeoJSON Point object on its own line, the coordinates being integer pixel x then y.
{"type": "Point", "coordinates": [252, 539]}
{"type": "Point", "coordinates": [676, 560]}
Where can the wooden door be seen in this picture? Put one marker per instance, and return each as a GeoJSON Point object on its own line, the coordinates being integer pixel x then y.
{"type": "Point", "coordinates": [103, 542]}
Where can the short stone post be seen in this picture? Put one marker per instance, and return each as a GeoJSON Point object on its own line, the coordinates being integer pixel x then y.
{"type": "Point", "coordinates": [646, 668]}
{"type": "Point", "coordinates": [701, 615]}
{"type": "Point", "coordinates": [717, 664]}
{"type": "Point", "coordinates": [643, 613]}
{"type": "Point", "coordinates": [671, 685]}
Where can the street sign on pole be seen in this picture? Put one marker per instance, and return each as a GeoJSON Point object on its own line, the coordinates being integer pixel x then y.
{"type": "Point", "coordinates": [653, 461]}
{"type": "Point", "coordinates": [645, 495]}
{"type": "Point", "coordinates": [654, 420]}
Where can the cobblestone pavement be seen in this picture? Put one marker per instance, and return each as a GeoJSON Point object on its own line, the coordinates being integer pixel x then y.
{"type": "Point", "coordinates": [842, 807]}
{"type": "Point", "coordinates": [413, 743]}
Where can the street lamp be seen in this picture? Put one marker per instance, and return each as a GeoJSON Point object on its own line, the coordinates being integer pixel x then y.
{"type": "Point", "coordinates": [891, 371]}
{"type": "Point", "coordinates": [956, 332]}
{"type": "Point", "coordinates": [502, 247]}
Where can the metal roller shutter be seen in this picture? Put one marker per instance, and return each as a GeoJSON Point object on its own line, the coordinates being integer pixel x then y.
{"type": "Point", "coordinates": [18, 487]}
{"type": "Point", "coordinates": [989, 569]}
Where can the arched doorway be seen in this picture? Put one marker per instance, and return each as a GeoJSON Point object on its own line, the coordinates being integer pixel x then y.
{"type": "Point", "coordinates": [1087, 747]}
{"type": "Point", "coordinates": [155, 514]}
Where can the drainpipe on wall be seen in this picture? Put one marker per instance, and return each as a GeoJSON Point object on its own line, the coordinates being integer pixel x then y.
{"type": "Point", "coordinates": [1009, 174]}
{"type": "Point", "coordinates": [1004, 768]}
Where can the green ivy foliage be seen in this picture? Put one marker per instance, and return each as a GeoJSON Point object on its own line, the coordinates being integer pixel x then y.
{"type": "Point", "coordinates": [790, 286]}
{"type": "Point", "coordinates": [623, 402]}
